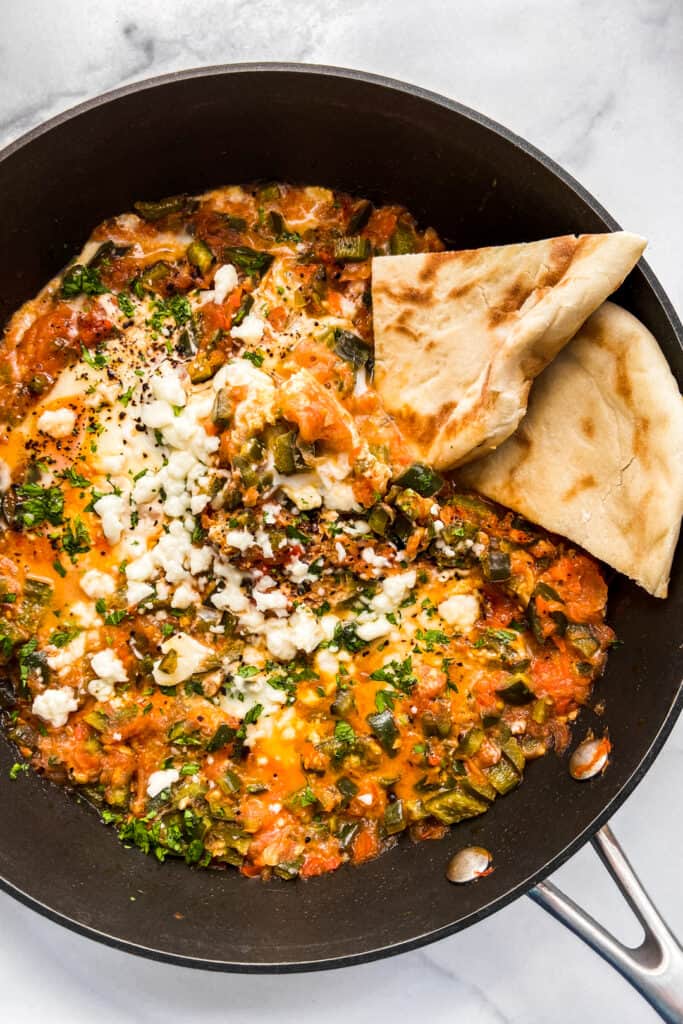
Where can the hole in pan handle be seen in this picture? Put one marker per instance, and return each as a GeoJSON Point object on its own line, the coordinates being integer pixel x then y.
{"type": "Point", "coordinates": [655, 968]}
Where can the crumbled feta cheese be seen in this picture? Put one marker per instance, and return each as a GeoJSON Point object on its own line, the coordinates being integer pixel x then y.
{"type": "Point", "coordinates": [97, 584]}
{"type": "Point", "coordinates": [297, 569]}
{"type": "Point", "coordinates": [108, 667]}
{"type": "Point", "coordinates": [6, 477]}
{"type": "Point", "coordinates": [340, 550]}
{"type": "Point", "coordinates": [191, 657]}
{"type": "Point", "coordinates": [273, 601]}
{"type": "Point", "coordinates": [64, 657]}
{"type": "Point", "coordinates": [55, 705]}
{"type": "Point", "coordinates": [184, 596]}
{"type": "Point", "coordinates": [250, 331]}
{"type": "Point", "coordinates": [240, 539]}
{"type": "Point", "coordinates": [161, 780]}
{"type": "Point", "coordinates": [137, 592]}
{"type": "Point", "coordinates": [373, 628]}
{"type": "Point", "coordinates": [85, 614]}
{"type": "Point", "coordinates": [165, 385]}
{"type": "Point", "coordinates": [110, 509]}
{"type": "Point", "coordinates": [224, 282]}
{"type": "Point", "coordinates": [376, 561]}
{"type": "Point", "coordinates": [57, 422]}
{"type": "Point", "coordinates": [101, 690]}
{"type": "Point", "coordinates": [461, 610]}
{"type": "Point", "coordinates": [394, 591]}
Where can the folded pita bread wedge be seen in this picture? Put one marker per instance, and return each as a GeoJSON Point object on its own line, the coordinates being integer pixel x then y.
{"type": "Point", "coordinates": [459, 336]}
{"type": "Point", "coordinates": [599, 456]}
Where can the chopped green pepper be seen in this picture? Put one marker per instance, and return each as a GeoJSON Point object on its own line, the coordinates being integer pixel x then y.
{"type": "Point", "coordinates": [402, 240]}
{"type": "Point", "coordinates": [394, 818]}
{"type": "Point", "coordinates": [383, 725]}
{"type": "Point", "coordinates": [351, 348]}
{"type": "Point", "coordinates": [352, 248]}
{"type": "Point", "coordinates": [154, 211]}
{"type": "Point", "coordinates": [423, 479]}
{"type": "Point", "coordinates": [516, 692]}
{"type": "Point", "coordinates": [454, 805]}
{"type": "Point", "coordinates": [200, 255]}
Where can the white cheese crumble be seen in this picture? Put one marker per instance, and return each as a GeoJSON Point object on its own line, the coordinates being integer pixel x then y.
{"type": "Point", "coordinates": [57, 422]}
{"type": "Point", "coordinates": [224, 282]}
{"type": "Point", "coordinates": [110, 509]}
{"type": "Point", "coordinates": [191, 657]}
{"type": "Point", "coordinates": [394, 591]}
{"type": "Point", "coordinates": [55, 705]}
{"type": "Point", "coordinates": [460, 610]}
{"type": "Point", "coordinates": [161, 780]}
{"type": "Point", "coordinates": [250, 331]}
{"type": "Point", "coordinates": [373, 628]}
{"type": "Point", "coordinates": [97, 584]}
{"type": "Point", "coordinates": [108, 667]}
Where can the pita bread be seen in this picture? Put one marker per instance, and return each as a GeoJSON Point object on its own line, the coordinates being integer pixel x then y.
{"type": "Point", "coordinates": [459, 336]}
{"type": "Point", "coordinates": [599, 456]}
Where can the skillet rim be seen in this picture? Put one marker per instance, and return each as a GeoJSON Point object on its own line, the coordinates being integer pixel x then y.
{"type": "Point", "coordinates": [676, 706]}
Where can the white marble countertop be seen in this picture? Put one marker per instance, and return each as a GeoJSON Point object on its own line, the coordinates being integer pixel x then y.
{"type": "Point", "coordinates": [598, 87]}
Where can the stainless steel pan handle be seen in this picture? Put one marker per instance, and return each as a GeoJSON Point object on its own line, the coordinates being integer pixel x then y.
{"type": "Point", "coordinates": [655, 968]}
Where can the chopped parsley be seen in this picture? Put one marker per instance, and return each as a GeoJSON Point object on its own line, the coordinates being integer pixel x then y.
{"type": "Point", "coordinates": [80, 280]}
{"type": "Point", "coordinates": [76, 540]}
{"type": "Point", "coordinates": [35, 505]}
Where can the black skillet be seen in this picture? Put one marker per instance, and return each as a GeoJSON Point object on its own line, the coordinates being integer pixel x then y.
{"type": "Point", "coordinates": [477, 184]}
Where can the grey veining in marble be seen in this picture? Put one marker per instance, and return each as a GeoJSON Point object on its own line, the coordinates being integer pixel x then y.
{"type": "Point", "coordinates": [599, 86]}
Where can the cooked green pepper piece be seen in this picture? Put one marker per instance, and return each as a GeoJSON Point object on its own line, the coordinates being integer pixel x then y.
{"type": "Point", "coordinates": [394, 818]}
{"type": "Point", "coordinates": [351, 348]}
{"type": "Point", "coordinates": [97, 720]}
{"type": "Point", "coordinates": [516, 692]}
{"type": "Point", "coordinates": [275, 223]}
{"type": "Point", "coordinates": [436, 723]}
{"type": "Point", "coordinates": [403, 240]}
{"type": "Point", "coordinates": [496, 566]}
{"type": "Point", "coordinates": [455, 805]}
{"type": "Point", "coordinates": [223, 735]}
{"type": "Point", "coordinates": [380, 518]}
{"type": "Point", "coordinates": [383, 725]}
{"type": "Point", "coordinates": [582, 639]}
{"type": "Point", "coordinates": [409, 503]}
{"type": "Point", "coordinates": [236, 223]}
{"type": "Point", "coordinates": [479, 788]}
{"type": "Point", "coordinates": [471, 742]}
{"type": "Point", "coordinates": [343, 704]}
{"type": "Point", "coordinates": [163, 207]}
{"type": "Point", "coordinates": [199, 255]}
{"type": "Point", "coordinates": [288, 869]}
{"type": "Point", "coordinates": [223, 408]}
{"type": "Point", "coordinates": [352, 248]}
{"type": "Point", "coordinates": [268, 193]}
{"type": "Point", "coordinates": [423, 479]}
{"type": "Point", "coordinates": [187, 345]}
{"type": "Point", "coordinates": [153, 275]}
{"type": "Point", "coordinates": [285, 453]}
{"type": "Point", "coordinates": [347, 787]}
{"type": "Point", "coordinates": [169, 661]}
{"type": "Point", "coordinates": [541, 710]}
{"type": "Point", "coordinates": [253, 262]}
{"type": "Point", "coordinates": [503, 776]}
{"type": "Point", "coordinates": [107, 252]}
{"type": "Point", "coordinates": [359, 217]}
{"type": "Point", "coordinates": [245, 305]}
{"type": "Point", "coordinates": [513, 752]}
{"type": "Point", "coordinates": [347, 832]}
{"type": "Point", "coordinates": [401, 529]}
